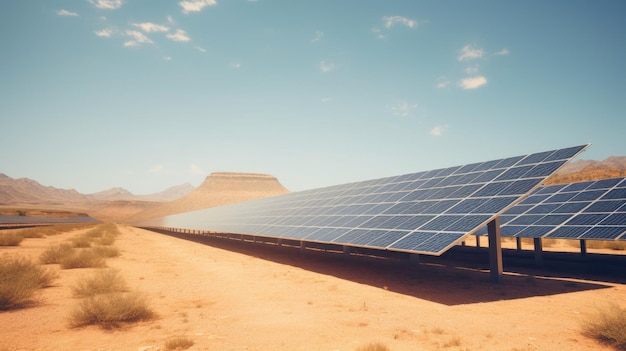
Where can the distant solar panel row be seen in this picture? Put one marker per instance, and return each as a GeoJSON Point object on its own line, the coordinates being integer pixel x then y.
{"type": "Point", "coordinates": [584, 210]}
{"type": "Point", "coordinates": [425, 212]}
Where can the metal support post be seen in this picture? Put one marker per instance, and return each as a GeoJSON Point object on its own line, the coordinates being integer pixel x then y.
{"type": "Point", "coordinates": [495, 250]}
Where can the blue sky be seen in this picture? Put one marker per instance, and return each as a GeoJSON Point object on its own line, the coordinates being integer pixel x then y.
{"type": "Point", "coordinates": [146, 95]}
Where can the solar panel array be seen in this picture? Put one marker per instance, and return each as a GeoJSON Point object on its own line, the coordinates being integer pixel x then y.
{"type": "Point", "coordinates": [425, 212]}
{"type": "Point", "coordinates": [585, 210]}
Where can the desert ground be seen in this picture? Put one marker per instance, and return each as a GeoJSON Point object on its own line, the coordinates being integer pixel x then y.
{"type": "Point", "coordinates": [225, 295]}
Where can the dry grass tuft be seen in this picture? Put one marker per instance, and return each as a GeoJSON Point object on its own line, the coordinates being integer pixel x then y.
{"type": "Point", "coordinates": [81, 241]}
{"type": "Point", "coordinates": [85, 258]}
{"type": "Point", "coordinates": [111, 310]}
{"type": "Point", "coordinates": [178, 343]}
{"type": "Point", "coordinates": [55, 254]}
{"type": "Point", "coordinates": [102, 282]}
{"type": "Point", "coordinates": [10, 239]}
{"type": "Point", "coordinates": [19, 279]}
{"type": "Point", "coordinates": [106, 251]}
{"type": "Point", "coordinates": [375, 346]}
{"type": "Point", "coordinates": [607, 325]}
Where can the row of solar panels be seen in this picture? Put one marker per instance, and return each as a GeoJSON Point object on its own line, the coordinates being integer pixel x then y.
{"type": "Point", "coordinates": [583, 210]}
{"type": "Point", "coordinates": [425, 212]}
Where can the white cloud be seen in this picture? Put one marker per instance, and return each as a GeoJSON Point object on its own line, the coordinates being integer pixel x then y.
{"type": "Point", "coordinates": [180, 35]}
{"type": "Point", "coordinates": [66, 13]}
{"type": "Point", "coordinates": [318, 36]}
{"type": "Point", "coordinates": [167, 58]}
{"type": "Point", "coordinates": [234, 65]}
{"type": "Point", "coordinates": [392, 20]}
{"type": "Point", "coordinates": [137, 38]}
{"type": "Point", "coordinates": [149, 27]}
{"type": "Point", "coordinates": [437, 131]}
{"type": "Point", "coordinates": [502, 52]}
{"type": "Point", "coordinates": [326, 99]}
{"type": "Point", "coordinates": [378, 33]}
{"type": "Point", "coordinates": [326, 66]}
{"type": "Point", "coordinates": [105, 33]}
{"type": "Point", "coordinates": [170, 20]}
{"type": "Point", "coordinates": [201, 49]}
{"type": "Point", "coordinates": [157, 169]}
{"type": "Point", "coordinates": [472, 70]}
{"type": "Point", "coordinates": [443, 84]}
{"type": "Point", "coordinates": [473, 82]}
{"type": "Point", "coordinates": [196, 5]}
{"type": "Point", "coordinates": [195, 169]}
{"type": "Point", "coordinates": [403, 109]}
{"type": "Point", "coordinates": [107, 4]}
{"type": "Point", "coordinates": [469, 53]}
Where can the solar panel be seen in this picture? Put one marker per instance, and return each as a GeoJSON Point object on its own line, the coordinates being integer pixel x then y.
{"type": "Point", "coordinates": [425, 212]}
{"type": "Point", "coordinates": [582, 210]}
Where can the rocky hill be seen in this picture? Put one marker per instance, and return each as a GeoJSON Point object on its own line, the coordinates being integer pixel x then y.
{"type": "Point", "coordinates": [220, 188]}
{"type": "Point", "coordinates": [25, 191]}
{"type": "Point", "coordinates": [581, 170]}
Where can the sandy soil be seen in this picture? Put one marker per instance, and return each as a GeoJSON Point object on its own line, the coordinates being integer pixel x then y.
{"type": "Point", "coordinates": [229, 296]}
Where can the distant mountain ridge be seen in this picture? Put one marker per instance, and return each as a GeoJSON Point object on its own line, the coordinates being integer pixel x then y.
{"type": "Point", "coordinates": [582, 170]}
{"type": "Point", "coordinates": [14, 191]}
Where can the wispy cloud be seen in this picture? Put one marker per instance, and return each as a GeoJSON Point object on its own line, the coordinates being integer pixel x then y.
{"type": "Point", "coordinates": [195, 169]}
{"type": "Point", "coordinates": [378, 33]}
{"type": "Point", "coordinates": [472, 82]}
{"type": "Point", "coordinates": [326, 99]}
{"type": "Point", "coordinates": [179, 35]}
{"type": "Point", "coordinates": [327, 66]}
{"type": "Point", "coordinates": [390, 21]}
{"type": "Point", "coordinates": [472, 70]}
{"type": "Point", "coordinates": [442, 83]}
{"type": "Point", "coordinates": [167, 58]}
{"type": "Point", "coordinates": [196, 5]}
{"type": "Point", "coordinates": [66, 13]}
{"type": "Point", "coordinates": [107, 4]}
{"type": "Point", "coordinates": [201, 49]}
{"type": "Point", "coordinates": [149, 27]}
{"type": "Point", "coordinates": [403, 108]}
{"type": "Point", "coordinates": [503, 52]}
{"type": "Point", "coordinates": [470, 53]}
{"type": "Point", "coordinates": [105, 33]}
{"type": "Point", "coordinates": [138, 38]}
{"type": "Point", "coordinates": [170, 20]}
{"type": "Point", "coordinates": [156, 169]}
{"type": "Point", "coordinates": [437, 131]}
{"type": "Point", "coordinates": [318, 36]}
{"type": "Point", "coordinates": [234, 65]}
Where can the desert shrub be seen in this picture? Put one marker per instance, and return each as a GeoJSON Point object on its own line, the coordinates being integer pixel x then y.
{"type": "Point", "coordinates": [50, 230]}
{"type": "Point", "coordinates": [376, 346]}
{"type": "Point", "coordinates": [30, 232]}
{"type": "Point", "coordinates": [19, 279]}
{"type": "Point", "coordinates": [55, 254]}
{"type": "Point", "coordinates": [102, 282]}
{"type": "Point", "coordinates": [10, 239]}
{"type": "Point", "coordinates": [607, 325]}
{"type": "Point", "coordinates": [178, 343]}
{"type": "Point", "coordinates": [81, 241]}
{"type": "Point", "coordinates": [616, 245]}
{"type": "Point", "coordinates": [106, 251]}
{"type": "Point", "coordinates": [85, 258]}
{"type": "Point", "coordinates": [110, 310]}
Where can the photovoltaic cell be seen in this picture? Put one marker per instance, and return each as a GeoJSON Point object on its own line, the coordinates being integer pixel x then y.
{"type": "Point", "coordinates": [424, 212]}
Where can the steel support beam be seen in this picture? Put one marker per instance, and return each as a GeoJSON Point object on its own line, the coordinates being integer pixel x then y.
{"type": "Point", "coordinates": [538, 251]}
{"type": "Point", "coordinates": [583, 247]}
{"type": "Point", "coordinates": [495, 250]}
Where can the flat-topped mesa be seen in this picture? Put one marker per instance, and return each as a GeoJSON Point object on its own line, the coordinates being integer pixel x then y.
{"type": "Point", "coordinates": [218, 189]}
{"type": "Point", "coordinates": [229, 182]}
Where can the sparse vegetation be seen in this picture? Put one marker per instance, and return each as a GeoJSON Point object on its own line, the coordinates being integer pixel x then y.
{"type": "Point", "coordinates": [606, 244]}
{"type": "Point", "coordinates": [55, 254]}
{"type": "Point", "coordinates": [10, 239]}
{"type": "Point", "coordinates": [102, 282]}
{"type": "Point", "coordinates": [84, 258]}
{"type": "Point", "coordinates": [19, 279]}
{"type": "Point", "coordinates": [110, 310]}
{"type": "Point", "coordinates": [376, 346]}
{"type": "Point", "coordinates": [80, 241]}
{"type": "Point", "coordinates": [106, 251]}
{"type": "Point", "coordinates": [178, 343]}
{"type": "Point", "coordinates": [608, 325]}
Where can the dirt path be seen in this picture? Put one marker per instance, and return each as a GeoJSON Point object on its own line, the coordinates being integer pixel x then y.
{"type": "Point", "coordinates": [232, 297]}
